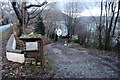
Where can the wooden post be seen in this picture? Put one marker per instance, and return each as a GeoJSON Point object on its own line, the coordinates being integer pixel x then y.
{"type": "Point", "coordinates": [41, 52]}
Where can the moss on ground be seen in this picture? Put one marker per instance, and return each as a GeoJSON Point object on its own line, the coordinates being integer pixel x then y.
{"type": "Point", "coordinates": [37, 69]}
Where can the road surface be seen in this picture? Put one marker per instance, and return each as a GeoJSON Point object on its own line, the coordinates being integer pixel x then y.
{"type": "Point", "coordinates": [5, 27]}
{"type": "Point", "coordinates": [74, 63]}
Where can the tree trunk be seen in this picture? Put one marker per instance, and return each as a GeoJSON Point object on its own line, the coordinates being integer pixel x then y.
{"type": "Point", "coordinates": [106, 28]}
{"type": "Point", "coordinates": [24, 14]}
{"type": "Point", "coordinates": [113, 32]}
{"type": "Point", "coordinates": [108, 37]}
{"type": "Point", "coordinates": [100, 26]}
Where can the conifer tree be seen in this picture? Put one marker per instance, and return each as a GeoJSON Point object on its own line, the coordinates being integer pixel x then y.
{"type": "Point", "coordinates": [39, 27]}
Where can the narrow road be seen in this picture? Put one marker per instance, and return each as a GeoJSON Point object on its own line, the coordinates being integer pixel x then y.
{"type": "Point", "coordinates": [4, 27]}
{"type": "Point", "coordinates": [73, 63]}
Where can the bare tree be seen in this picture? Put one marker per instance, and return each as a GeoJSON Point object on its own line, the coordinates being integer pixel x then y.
{"type": "Point", "coordinates": [100, 27]}
{"type": "Point", "coordinates": [21, 11]}
{"type": "Point", "coordinates": [5, 12]}
{"type": "Point", "coordinates": [111, 20]}
{"type": "Point", "coordinates": [107, 25]}
{"type": "Point", "coordinates": [52, 17]}
{"type": "Point", "coordinates": [71, 9]}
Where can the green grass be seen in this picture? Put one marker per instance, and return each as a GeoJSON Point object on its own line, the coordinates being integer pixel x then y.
{"type": "Point", "coordinates": [85, 45]}
{"type": "Point", "coordinates": [36, 69]}
{"type": "Point", "coordinates": [75, 41]}
{"type": "Point", "coordinates": [92, 45]}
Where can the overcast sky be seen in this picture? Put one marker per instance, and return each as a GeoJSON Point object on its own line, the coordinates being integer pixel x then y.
{"type": "Point", "coordinates": [87, 7]}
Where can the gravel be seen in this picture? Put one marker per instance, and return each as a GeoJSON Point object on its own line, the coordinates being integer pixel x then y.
{"type": "Point", "coordinates": [73, 63]}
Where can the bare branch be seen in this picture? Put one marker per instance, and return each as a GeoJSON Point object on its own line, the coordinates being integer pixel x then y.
{"type": "Point", "coordinates": [33, 11]}
{"type": "Point", "coordinates": [91, 13]}
{"type": "Point", "coordinates": [37, 13]}
{"type": "Point", "coordinates": [46, 14]}
{"type": "Point", "coordinates": [31, 5]}
{"type": "Point", "coordinates": [17, 11]}
{"type": "Point", "coordinates": [33, 22]}
{"type": "Point", "coordinates": [28, 16]}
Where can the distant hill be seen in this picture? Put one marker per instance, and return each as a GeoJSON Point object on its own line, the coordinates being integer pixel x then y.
{"type": "Point", "coordinates": [53, 15]}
